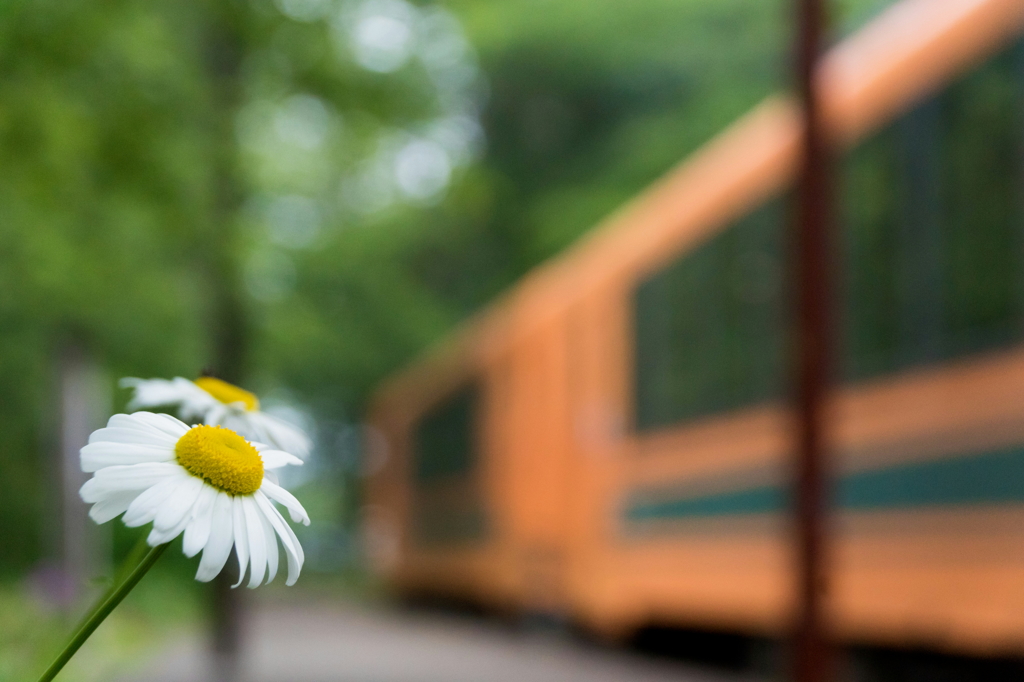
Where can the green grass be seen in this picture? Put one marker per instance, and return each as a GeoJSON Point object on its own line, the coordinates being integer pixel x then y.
{"type": "Point", "coordinates": [33, 631]}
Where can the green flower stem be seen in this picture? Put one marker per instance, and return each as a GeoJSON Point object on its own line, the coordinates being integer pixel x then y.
{"type": "Point", "coordinates": [102, 611]}
{"type": "Point", "coordinates": [131, 560]}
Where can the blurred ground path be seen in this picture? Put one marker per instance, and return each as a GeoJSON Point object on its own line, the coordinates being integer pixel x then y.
{"type": "Point", "coordinates": [343, 643]}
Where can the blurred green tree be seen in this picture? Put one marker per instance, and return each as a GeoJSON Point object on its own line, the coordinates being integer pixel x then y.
{"type": "Point", "coordinates": [299, 192]}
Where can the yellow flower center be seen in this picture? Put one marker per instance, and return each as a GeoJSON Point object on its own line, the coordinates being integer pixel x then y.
{"type": "Point", "coordinates": [222, 458]}
{"type": "Point", "coordinates": [228, 393]}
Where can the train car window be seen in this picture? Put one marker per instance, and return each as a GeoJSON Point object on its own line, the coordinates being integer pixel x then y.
{"type": "Point", "coordinates": [447, 503]}
{"type": "Point", "coordinates": [934, 227]}
{"type": "Point", "coordinates": [933, 242]}
{"type": "Point", "coordinates": [708, 327]}
{"type": "Point", "coordinates": [444, 438]}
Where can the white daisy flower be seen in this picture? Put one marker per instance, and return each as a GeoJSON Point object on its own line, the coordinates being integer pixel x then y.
{"type": "Point", "coordinates": [212, 401]}
{"type": "Point", "coordinates": [204, 481]}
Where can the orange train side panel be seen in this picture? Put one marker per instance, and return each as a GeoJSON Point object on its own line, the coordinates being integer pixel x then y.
{"type": "Point", "coordinates": [924, 576]}
{"type": "Point", "coordinates": [535, 478]}
{"type": "Point", "coordinates": [947, 579]}
{"type": "Point", "coordinates": [595, 416]}
{"type": "Point", "coordinates": [941, 579]}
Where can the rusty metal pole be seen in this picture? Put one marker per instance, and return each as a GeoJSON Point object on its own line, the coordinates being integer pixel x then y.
{"type": "Point", "coordinates": [814, 290]}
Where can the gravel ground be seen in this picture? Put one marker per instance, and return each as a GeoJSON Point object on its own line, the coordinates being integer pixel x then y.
{"type": "Point", "coordinates": [346, 643]}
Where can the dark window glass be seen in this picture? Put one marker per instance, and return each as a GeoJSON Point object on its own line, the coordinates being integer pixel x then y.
{"type": "Point", "coordinates": [447, 504]}
{"type": "Point", "coordinates": [933, 223]}
{"type": "Point", "coordinates": [708, 326]}
{"type": "Point", "coordinates": [444, 438]}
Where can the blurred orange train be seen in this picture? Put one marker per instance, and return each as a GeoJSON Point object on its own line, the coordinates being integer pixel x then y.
{"type": "Point", "coordinates": [610, 441]}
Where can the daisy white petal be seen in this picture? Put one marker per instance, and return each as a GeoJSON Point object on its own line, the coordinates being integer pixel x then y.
{"type": "Point", "coordinates": [279, 494]}
{"type": "Point", "coordinates": [191, 400]}
{"type": "Point", "coordinates": [197, 532]}
{"type": "Point", "coordinates": [111, 506]}
{"type": "Point", "coordinates": [159, 537]}
{"type": "Point", "coordinates": [179, 505]}
{"type": "Point", "coordinates": [254, 524]}
{"type": "Point", "coordinates": [99, 455]}
{"type": "Point", "coordinates": [275, 459]}
{"type": "Point", "coordinates": [163, 422]}
{"type": "Point", "coordinates": [292, 549]}
{"type": "Point", "coordinates": [149, 392]}
{"type": "Point", "coordinates": [132, 439]}
{"type": "Point", "coordinates": [136, 434]}
{"type": "Point", "coordinates": [120, 479]}
{"type": "Point", "coordinates": [127, 421]}
{"type": "Point", "coordinates": [219, 414]}
{"type": "Point", "coordinates": [144, 508]}
{"type": "Point", "coordinates": [280, 434]}
{"type": "Point", "coordinates": [299, 558]}
{"type": "Point", "coordinates": [273, 554]}
{"type": "Point", "coordinates": [241, 538]}
{"type": "Point", "coordinates": [218, 547]}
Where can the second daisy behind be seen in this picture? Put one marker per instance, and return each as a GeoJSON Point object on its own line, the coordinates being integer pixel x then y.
{"type": "Point", "coordinates": [205, 481]}
{"type": "Point", "coordinates": [214, 401]}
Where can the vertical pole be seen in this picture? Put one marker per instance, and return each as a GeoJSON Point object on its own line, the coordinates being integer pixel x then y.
{"type": "Point", "coordinates": [813, 347]}
{"type": "Point", "coordinates": [224, 52]}
{"type": "Point", "coordinates": [75, 424]}
{"type": "Point", "coordinates": [83, 401]}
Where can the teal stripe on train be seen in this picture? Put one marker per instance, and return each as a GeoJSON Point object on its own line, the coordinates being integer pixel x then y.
{"type": "Point", "coordinates": [988, 478]}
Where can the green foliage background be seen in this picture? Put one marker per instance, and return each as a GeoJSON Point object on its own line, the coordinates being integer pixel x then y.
{"type": "Point", "coordinates": [131, 185]}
